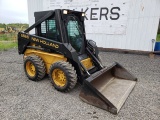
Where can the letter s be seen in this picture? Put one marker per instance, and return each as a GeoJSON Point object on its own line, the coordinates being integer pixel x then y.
{"type": "Point", "coordinates": [115, 13]}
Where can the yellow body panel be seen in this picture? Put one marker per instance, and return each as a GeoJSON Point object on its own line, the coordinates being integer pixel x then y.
{"type": "Point", "coordinates": [48, 58]}
{"type": "Point", "coordinates": [87, 63]}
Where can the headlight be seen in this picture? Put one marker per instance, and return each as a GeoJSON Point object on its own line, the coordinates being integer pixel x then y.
{"type": "Point", "coordinates": [65, 11]}
{"type": "Point", "coordinates": [83, 14]}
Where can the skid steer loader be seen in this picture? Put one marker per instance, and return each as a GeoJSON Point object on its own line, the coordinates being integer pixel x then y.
{"type": "Point", "coordinates": [60, 49]}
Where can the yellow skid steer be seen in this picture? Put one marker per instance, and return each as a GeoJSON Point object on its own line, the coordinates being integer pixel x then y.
{"type": "Point", "coordinates": [60, 49]}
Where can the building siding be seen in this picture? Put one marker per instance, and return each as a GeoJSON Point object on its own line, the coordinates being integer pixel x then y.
{"type": "Point", "coordinates": [142, 26]}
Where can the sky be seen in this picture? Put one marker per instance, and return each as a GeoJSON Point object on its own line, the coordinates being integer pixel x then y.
{"type": "Point", "coordinates": [13, 11]}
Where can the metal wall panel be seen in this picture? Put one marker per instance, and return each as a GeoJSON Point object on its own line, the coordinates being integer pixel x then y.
{"type": "Point", "coordinates": [141, 27]}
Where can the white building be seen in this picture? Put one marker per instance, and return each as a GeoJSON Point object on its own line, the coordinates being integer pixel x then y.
{"type": "Point", "coordinates": [118, 24]}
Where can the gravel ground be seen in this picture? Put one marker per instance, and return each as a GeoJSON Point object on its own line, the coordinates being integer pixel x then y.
{"type": "Point", "coordinates": [22, 99]}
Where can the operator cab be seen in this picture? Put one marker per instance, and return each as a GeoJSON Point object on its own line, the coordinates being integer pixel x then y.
{"type": "Point", "coordinates": [70, 25]}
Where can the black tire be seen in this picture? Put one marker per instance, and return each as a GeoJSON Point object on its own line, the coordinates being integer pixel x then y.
{"type": "Point", "coordinates": [69, 73]}
{"type": "Point", "coordinates": [39, 67]}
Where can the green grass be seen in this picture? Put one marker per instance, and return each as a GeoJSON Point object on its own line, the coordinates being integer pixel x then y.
{"type": "Point", "coordinates": [8, 37]}
{"type": "Point", "coordinates": [7, 45]}
{"type": "Point", "coordinates": [158, 38]}
{"type": "Point", "coordinates": [4, 37]}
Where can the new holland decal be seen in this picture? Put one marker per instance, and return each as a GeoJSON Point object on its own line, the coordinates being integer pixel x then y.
{"type": "Point", "coordinates": [44, 42]}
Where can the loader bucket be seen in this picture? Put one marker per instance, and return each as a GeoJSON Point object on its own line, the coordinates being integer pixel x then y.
{"type": "Point", "coordinates": [108, 88]}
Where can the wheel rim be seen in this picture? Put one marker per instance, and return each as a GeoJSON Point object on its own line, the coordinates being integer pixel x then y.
{"type": "Point", "coordinates": [59, 77]}
{"type": "Point", "coordinates": [30, 68]}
